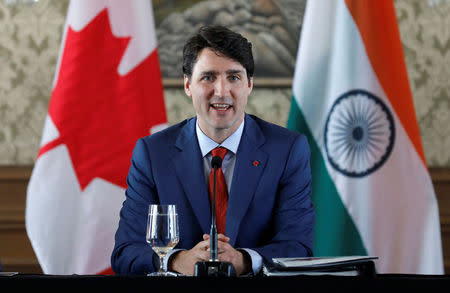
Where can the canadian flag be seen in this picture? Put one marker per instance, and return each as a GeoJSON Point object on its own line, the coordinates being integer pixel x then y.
{"type": "Point", "coordinates": [107, 93]}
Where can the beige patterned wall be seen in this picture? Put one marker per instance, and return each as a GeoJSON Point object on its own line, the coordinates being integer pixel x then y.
{"type": "Point", "coordinates": [425, 33]}
{"type": "Point", "coordinates": [29, 46]}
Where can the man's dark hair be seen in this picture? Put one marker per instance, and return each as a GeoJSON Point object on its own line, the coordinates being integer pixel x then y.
{"type": "Point", "coordinates": [221, 40]}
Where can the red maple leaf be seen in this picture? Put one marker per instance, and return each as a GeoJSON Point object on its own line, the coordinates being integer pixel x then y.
{"type": "Point", "coordinates": [98, 113]}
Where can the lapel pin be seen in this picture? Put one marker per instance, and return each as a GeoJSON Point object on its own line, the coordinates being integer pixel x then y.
{"type": "Point", "coordinates": [255, 163]}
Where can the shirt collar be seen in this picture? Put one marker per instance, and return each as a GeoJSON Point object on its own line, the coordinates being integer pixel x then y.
{"type": "Point", "coordinates": [207, 144]}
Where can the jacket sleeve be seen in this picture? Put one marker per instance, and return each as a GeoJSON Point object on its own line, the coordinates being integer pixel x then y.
{"type": "Point", "coordinates": [131, 253]}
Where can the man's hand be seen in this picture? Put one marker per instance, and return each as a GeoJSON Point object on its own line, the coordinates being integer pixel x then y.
{"type": "Point", "coordinates": [184, 261]}
{"type": "Point", "coordinates": [228, 254]}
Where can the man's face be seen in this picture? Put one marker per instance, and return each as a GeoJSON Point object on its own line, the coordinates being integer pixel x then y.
{"type": "Point", "coordinates": [219, 88]}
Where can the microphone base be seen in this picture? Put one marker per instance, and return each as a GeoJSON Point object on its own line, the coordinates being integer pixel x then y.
{"type": "Point", "coordinates": [214, 269]}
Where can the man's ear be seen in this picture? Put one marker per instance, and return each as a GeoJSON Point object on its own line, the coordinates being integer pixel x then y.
{"type": "Point", "coordinates": [250, 85]}
{"type": "Point", "coordinates": [187, 85]}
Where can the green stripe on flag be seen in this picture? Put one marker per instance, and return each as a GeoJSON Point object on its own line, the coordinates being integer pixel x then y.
{"type": "Point", "coordinates": [334, 232]}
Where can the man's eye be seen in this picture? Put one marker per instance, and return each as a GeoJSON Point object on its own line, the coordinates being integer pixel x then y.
{"type": "Point", "coordinates": [207, 78]}
{"type": "Point", "coordinates": [234, 77]}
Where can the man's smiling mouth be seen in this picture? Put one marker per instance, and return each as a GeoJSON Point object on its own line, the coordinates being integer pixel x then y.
{"type": "Point", "coordinates": [221, 107]}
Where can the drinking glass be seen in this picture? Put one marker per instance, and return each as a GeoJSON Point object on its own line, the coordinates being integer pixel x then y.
{"type": "Point", "coordinates": [162, 233]}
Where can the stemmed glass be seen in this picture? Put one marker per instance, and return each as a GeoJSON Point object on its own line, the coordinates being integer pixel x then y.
{"type": "Point", "coordinates": [162, 233]}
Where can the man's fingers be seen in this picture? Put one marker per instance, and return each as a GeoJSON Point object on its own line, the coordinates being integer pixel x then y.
{"type": "Point", "coordinates": [201, 250]}
{"type": "Point", "coordinates": [223, 246]}
{"type": "Point", "coordinates": [220, 237]}
{"type": "Point", "coordinates": [202, 245]}
{"type": "Point", "coordinates": [223, 238]}
{"type": "Point", "coordinates": [184, 261]}
{"type": "Point", "coordinates": [202, 255]}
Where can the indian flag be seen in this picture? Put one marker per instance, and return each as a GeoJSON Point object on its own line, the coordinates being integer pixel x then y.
{"type": "Point", "coordinates": [371, 187]}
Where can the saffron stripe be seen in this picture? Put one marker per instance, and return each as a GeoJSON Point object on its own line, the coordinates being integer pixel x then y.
{"type": "Point", "coordinates": [377, 24]}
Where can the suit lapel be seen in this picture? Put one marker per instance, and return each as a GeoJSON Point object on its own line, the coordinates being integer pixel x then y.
{"type": "Point", "coordinates": [188, 163]}
{"type": "Point", "coordinates": [250, 164]}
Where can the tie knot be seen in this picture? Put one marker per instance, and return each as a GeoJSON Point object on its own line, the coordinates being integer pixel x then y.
{"type": "Point", "coordinates": [220, 151]}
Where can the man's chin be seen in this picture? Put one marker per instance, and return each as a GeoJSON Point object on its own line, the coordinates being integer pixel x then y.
{"type": "Point", "coordinates": [220, 124]}
{"type": "Point", "coordinates": [227, 126]}
{"type": "Point", "coordinates": [222, 127]}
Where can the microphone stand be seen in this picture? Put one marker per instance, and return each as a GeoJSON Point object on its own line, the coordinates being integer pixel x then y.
{"type": "Point", "coordinates": [214, 267]}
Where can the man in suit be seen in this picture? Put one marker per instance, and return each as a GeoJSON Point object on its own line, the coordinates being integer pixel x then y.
{"type": "Point", "coordinates": [268, 212]}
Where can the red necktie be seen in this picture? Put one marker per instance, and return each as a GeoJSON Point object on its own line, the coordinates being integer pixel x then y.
{"type": "Point", "coordinates": [221, 191]}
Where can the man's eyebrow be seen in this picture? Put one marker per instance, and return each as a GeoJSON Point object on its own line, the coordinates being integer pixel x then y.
{"type": "Point", "coordinates": [209, 72]}
{"type": "Point", "coordinates": [234, 71]}
{"type": "Point", "coordinates": [214, 72]}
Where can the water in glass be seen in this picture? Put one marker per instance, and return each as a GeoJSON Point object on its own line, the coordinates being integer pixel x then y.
{"type": "Point", "coordinates": [162, 232]}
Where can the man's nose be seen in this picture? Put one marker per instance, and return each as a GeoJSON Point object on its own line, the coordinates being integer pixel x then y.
{"type": "Point", "coordinates": [221, 87]}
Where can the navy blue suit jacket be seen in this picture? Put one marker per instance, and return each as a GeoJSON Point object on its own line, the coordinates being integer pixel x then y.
{"type": "Point", "coordinates": [269, 207]}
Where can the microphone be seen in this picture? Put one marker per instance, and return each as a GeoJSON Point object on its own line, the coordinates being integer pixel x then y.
{"type": "Point", "coordinates": [216, 163]}
{"type": "Point", "coordinates": [214, 267]}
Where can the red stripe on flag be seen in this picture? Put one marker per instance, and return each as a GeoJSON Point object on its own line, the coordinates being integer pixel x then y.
{"type": "Point", "coordinates": [377, 24]}
{"type": "Point", "coordinates": [49, 146]}
{"type": "Point", "coordinates": [108, 271]}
